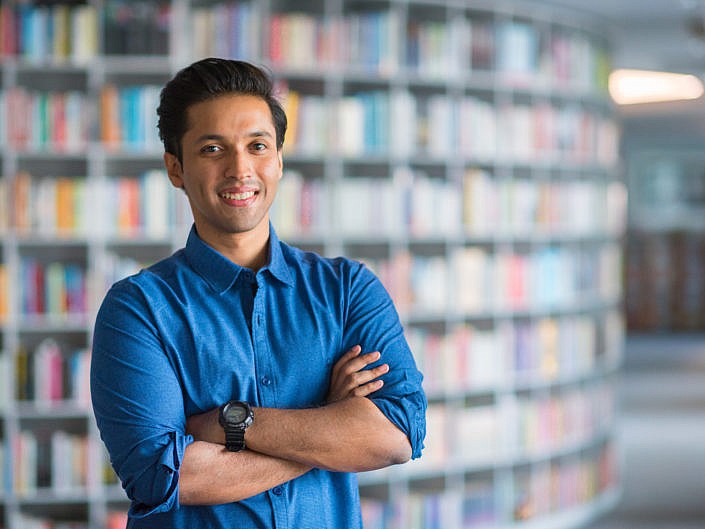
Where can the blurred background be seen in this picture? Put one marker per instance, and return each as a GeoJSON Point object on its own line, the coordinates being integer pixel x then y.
{"type": "Point", "coordinates": [526, 177]}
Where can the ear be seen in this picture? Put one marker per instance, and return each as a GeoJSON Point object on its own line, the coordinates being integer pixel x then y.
{"type": "Point", "coordinates": [281, 164]}
{"type": "Point", "coordinates": [173, 170]}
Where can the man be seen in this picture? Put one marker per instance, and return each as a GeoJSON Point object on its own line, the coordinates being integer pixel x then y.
{"type": "Point", "coordinates": [229, 380]}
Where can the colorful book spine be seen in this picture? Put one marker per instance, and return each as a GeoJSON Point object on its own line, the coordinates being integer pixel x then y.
{"type": "Point", "coordinates": [53, 33]}
{"type": "Point", "coordinates": [76, 206]}
{"type": "Point", "coordinates": [54, 289]}
{"type": "Point", "coordinates": [45, 120]}
{"type": "Point", "coordinates": [51, 374]}
{"type": "Point", "coordinates": [127, 117]}
{"type": "Point", "coordinates": [57, 463]}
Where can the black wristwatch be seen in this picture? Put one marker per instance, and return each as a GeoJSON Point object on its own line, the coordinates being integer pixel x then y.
{"type": "Point", "coordinates": [235, 417]}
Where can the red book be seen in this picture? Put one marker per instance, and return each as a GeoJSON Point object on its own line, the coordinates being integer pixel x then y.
{"type": "Point", "coordinates": [275, 38]}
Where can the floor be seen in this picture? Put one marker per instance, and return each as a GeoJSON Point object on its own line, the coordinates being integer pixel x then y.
{"type": "Point", "coordinates": [662, 433]}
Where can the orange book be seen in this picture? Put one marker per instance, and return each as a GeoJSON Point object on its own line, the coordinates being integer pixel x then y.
{"type": "Point", "coordinates": [65, 214]}
{"type": "Point", "coordinates": [129, 221]}
{"type": "Point", "coordinates": [110, 116]}
{"type": "Point", "coordinates": [21, 192]}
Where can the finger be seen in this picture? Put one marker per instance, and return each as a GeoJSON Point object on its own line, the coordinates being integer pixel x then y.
{"type": "Point", "coordinates": [360, 378]}
{"type": "Point", "coordinates": [360, 362]}
{"type": "Point", "coordinates": [367, 389]}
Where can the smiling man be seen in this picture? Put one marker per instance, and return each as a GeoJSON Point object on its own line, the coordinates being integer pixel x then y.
{"type": "Point", "coordinates": [242, 382]}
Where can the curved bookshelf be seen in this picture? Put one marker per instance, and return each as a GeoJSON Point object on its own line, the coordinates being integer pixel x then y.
{"type": "Point", "coordinates": [485, 195]}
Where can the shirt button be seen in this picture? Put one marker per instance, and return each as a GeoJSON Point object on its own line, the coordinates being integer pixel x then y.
{"type": "Point", "coordinates": [265, 381]}
{"type": "Point", "coordinates": [277, 491]}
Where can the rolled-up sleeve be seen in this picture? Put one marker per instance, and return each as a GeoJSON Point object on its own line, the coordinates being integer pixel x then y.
{"type": "Point", "coordinates": [373, 322]}
{"type": "Point", "coordinates": [137, 401]}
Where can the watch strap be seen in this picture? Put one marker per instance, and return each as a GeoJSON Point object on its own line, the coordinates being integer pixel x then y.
{"type": "Point", "coordinates": [234, 439]}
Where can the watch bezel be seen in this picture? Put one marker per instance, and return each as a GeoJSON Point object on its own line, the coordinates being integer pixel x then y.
{"type": "Point", "coordinates": [235, 431]}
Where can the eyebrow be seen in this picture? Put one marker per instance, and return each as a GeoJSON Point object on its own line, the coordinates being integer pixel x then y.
{"type": "Point", "coordinates": [219, 137]}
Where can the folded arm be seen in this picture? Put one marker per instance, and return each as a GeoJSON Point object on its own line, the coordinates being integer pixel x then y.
{"type": "Point", "coordinates": [349, 434]}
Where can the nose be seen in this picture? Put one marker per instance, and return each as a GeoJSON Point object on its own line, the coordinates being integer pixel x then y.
{"type": "Point", "coordinates": [239, 165]}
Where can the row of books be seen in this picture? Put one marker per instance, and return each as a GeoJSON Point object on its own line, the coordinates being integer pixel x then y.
{"type": "Point", "coordinates": [363, 123]}
{"type": "Point", "coordinates": [471, 281]}
{"type": "Point", "coordinates": [471, 507]}
{"type": "Point", "coordinates": [238, 26]}
{"type": "Point", "coordinates": [519, 427]}
{"type": "Point", "coordinates": [128, 117]}
{"type": "Point", "coordinates": [473, 358]}
{"type": "Point", "coordinates": [561, 485]}
{"type": "Point", "coordinates": [113, 520]}
{"type": "Point", "coordinates": [520, 50]}
{"type": "Point", "coordinates": [413, 204]}
{"type": "Point", "coordinates": [375, 40]}
{"type": "Point", "coordinates": [27, 521]}
{"type": "Point", "coordinates": [465, 359]}
{"type": "Point", "coordinates": [438, 125]}
{"type": "Point", "coordinates": [539, 493]}
{"type": "Point", "coordinates": [52, 288]}
{"type": "Point", "coordinates": [474, 280]}
{"type": "Point", "coordinates": [57, 462]}
{"type": "Point", "coordinates": [55, 32]}
{"type": "Point", "coordinates": [51, 120]}
{"type": "Point", "coordinates": [410, 203]}
{"type": "Point", "coordinates": [69, 31]}
{"type": "Point", "coordinates": [125, 207]}
{"type": "Point", "coordinates": [521, 206]}
{"type": "Point", "coordinates": [52, 373]}
{"type": "Point", "coordinates": [61, 120]}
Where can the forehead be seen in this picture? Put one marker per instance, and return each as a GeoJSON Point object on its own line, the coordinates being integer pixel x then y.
{"type": "Point", "coordinates": [229, 110]}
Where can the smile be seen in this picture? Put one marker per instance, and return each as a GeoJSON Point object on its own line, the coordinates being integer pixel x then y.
{"type": "Point", "coordinates": [238, 196]}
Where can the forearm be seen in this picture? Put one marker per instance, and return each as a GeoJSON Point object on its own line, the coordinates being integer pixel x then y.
{"type": "Point", "coordinates": [211, 475]}
{"type": "Point", "coordinates": [351, 435]}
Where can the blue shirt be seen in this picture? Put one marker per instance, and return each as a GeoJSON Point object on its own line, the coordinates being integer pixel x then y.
{"type": "Point", "coordinates": [195, 330]}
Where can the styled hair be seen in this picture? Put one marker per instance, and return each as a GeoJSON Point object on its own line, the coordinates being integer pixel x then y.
{"type": "Point", "coordinates": [207, 79]}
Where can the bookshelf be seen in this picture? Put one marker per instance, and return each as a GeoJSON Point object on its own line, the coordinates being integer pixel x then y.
{"type": "Point", "coordinates": [485, 196]}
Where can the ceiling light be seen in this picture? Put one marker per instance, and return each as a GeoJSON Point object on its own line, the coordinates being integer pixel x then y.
{"type": "Point", "coordinates": [628, 87]}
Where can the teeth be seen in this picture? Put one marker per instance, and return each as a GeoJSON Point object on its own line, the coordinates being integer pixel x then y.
{"type": "Point", "coordinates": [238, 196]}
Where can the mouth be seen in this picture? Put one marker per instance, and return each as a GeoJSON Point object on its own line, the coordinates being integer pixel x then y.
{"type": "Point", "coordinates": [244, 195]}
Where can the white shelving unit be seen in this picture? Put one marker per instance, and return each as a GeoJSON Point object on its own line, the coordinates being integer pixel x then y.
{"type": "Point", "coordinates": [466, 150]}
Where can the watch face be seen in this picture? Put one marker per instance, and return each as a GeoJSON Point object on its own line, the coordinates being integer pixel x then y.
{"type": "Point", "coordinates": [235, 414]}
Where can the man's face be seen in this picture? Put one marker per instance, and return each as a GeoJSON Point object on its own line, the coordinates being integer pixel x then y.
{"type": "Point", "coordinates": [230, 166]}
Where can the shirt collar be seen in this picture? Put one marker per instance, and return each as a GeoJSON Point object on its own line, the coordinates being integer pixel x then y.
{"type": "Point", "coordinates": [221, 273]}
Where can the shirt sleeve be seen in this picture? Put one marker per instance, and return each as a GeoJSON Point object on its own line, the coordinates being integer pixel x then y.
{"type": "Point", "coordinates": [137, 401]}
{"type": "Point", "coordinates": [373, 322]}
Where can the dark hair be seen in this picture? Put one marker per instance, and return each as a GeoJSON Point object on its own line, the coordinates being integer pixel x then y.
{"type": "Point", "coordinates": [207, 79]}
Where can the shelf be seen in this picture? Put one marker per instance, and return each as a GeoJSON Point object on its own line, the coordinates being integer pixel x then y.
{"type": "Point", "coordinates": [476, 176]}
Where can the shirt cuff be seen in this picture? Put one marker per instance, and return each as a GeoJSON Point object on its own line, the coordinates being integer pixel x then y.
{"type": "Point", "coordinates": [156, 489]}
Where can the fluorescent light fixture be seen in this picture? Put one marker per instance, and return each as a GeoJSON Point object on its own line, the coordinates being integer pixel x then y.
{"type": "Point", "coordinates": [629, 87]}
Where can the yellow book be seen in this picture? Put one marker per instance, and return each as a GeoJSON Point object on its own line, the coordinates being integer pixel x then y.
{"type": "Point", "coordinates": [291, 107]}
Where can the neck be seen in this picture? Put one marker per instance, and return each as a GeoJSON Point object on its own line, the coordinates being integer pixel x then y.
{"type": "Point", "coordinates": [248, 249]}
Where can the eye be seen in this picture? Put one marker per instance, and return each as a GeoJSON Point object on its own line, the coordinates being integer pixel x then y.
{"type": "Point", "coordinates": [259, 146]}
{"type": "Point", "coordinates": [210, 149]}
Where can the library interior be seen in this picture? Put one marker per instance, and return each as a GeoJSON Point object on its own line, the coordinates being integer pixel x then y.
{"type": "Point", "coordinates": [515, 172]}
